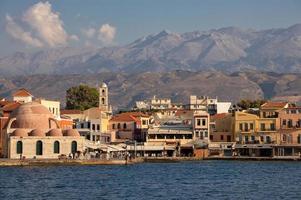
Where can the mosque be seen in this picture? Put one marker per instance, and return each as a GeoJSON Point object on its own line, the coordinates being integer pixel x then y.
{"type": "Point", "coordinates": [33, 132]}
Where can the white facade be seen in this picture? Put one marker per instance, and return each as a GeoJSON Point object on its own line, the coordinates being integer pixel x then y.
{"type": "Point", "coordinates": [52, 106]}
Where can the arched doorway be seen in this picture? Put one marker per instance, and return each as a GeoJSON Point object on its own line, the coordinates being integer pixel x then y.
{"type": "Point", "coordinates": [39, 148]}
{"type": "Point", "coordinates": [19, 147]}
{"type": "Point", "coordinates": [73, 147]}
{"type": "Point", "coordinates": [56, 147]}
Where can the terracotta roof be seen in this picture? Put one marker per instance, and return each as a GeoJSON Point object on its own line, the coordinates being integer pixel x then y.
{"type": "Point", "coordinates": [124, 117]}
{"type": "Point", "coordinates": [3, 103]}
{"type": "Point", "coordinates": [22, 93]}
{"type": "Point", "coordinates": [183, 112]}
{"type": "Point", "coordinates": [218, 116]}
{"type": "Point", "coordinates": [11, 106]}
{"type": "Point", "coordinates": [272, 104]}
{"type": "Point", "coordinates": [70, 112]}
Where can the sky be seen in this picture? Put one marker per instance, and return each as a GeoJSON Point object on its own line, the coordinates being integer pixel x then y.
{"type": "Point", "coordinates": [31, 25]}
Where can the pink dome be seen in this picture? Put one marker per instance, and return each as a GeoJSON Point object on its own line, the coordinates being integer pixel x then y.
{"type": "Point", "coordinates": [71, 132]}
{"type": "Point", "coordinates": [37, 133]}
{"type": "Point", "coordinates": [55, 132]}
{"type": "Point", "coordinates": [20, 133]}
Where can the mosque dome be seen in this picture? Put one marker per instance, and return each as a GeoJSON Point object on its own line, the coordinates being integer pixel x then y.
{"type": "Point", "coordinates": [55, 132]}
{"type": "Point", "coordinates": [20, 133]}
{"type": "Point", "coordinates": [37, 133]}
{"type": "Point", "coordinates": [71, 132]}
{"type": "Point", "coordinates": [33, 115]}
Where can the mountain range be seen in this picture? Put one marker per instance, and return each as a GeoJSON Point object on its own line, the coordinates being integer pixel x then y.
{"type": "Point", "coordinates": [125, 89]}
{"type": "Point", "coordinates": [228, 49]}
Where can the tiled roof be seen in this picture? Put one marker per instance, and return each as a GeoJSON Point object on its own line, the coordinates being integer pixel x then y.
{"type": "Point", "coordinates": [219, 116]}
{"type": "Point", "coordinates": [3, 103]}
{"type": "Point", "coordinates": [124, 117]}
{"type": "Point", "coordinates": [183, 112]}
{"type": "Point", "coordinates": [11, 106]}
{"type": "Point", "coordinates": [272, 104]}
{"type": "Point", "coordinates": [22, 93]}
{"type": "Point", "coordinates": [70, 112]}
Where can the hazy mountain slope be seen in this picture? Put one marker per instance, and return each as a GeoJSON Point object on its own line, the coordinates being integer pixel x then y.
{"type": "Point", "coordinates": [125, 89]}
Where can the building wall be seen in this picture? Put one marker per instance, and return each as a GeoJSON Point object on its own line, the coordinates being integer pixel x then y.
{"type": "Point", "coordinates": [223, 107]}
{"type": "Point", "coordinates": [29, 146]}
{"type": "Point", "coordinates": [22, 99]}
{"type": "Point", "coordinates": [52, 106]}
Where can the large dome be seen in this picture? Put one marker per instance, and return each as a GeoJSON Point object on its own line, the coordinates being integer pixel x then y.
{"type": "Point", "coordinates": [32, 116]}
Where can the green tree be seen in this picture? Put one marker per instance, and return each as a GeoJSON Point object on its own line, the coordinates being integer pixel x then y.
{"type": "Point", "coordinates": [246, 103]}
{"type": "Point", "coordinates": [81, 97]}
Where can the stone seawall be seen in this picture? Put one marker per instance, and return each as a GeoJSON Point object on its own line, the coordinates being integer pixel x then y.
{"type": "Point", "coordinates": [49, 162]}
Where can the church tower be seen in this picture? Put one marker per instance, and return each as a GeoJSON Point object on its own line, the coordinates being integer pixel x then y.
{"type": "Point", "coordinates": [103, 97]}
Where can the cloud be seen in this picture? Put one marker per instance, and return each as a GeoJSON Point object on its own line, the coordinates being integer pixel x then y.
{"type": "Point", "coordinates": [106, 33]}
{"type": "Point", "coordinates": [18, 33]}
{"type": "Point", "coordinates": [46, 23]}
{"type": "Point", "coordinates": [74, 37]}
{"type": "Point", "coordinates": [89, 33]}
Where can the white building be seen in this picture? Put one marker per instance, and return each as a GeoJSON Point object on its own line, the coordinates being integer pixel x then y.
{"type": "Point", "coordinates": [22, 96]}
{"type": "Point", "coordinates": [211, 105]}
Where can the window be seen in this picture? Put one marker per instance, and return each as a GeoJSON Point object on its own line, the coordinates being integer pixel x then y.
{"type": "Point", "coordinates": [246, 138]}
{"type": "Point", "coordinates": [102, 100]}
{"type": "Point", "coordinates": [290, 123]}
{"type": "Point", "coordinates": [118, 126]}
{"type": "Point", "coordinates": [89, 125]}
{"type": "Point", "coordinates": [98, 127]}
{"type": "Point", "coordinates": [39, 148]}
{"type": "Point", "coordinates": [268, 139]}
{"type": "Point", "coordinates": [198, 122]}
{"type": "Point", "coordinates": [113, 126]}
{"type": "Point", "coordinates": [272, 126]}
{"type": "Point", "coordinates": [103, 92]}
{"type": "Point", "coordinates": [19, 147]}
{"type": "Point", "coordinates": [252, 138]}
{"type": "Point", "coordinates": [206, 134]}
{"type": "Point", "coordinates": [203, 122]}
{"type": "Point", "coordinates": [246, 127]}
{"type": "Point", "coordinates": [228, 138]}
{"type": "Point", "coordinates": [143, 122]}
{"type": "Point", "coordinates": [93, 127]}
{"type": "Point", "coordinates": [251, 126]}
{"type": "Point", "coordinates": [299, 139]}
{"type": "Point", "coordinates": [73, 147]}
{"type": "Point", "coordinates": [284, 122]}
{"type": "Point", "coordinates": [293, 112]}
{"type": "Point", "coordinates": [240, 126]}
{"type": "Point", "coordinates": [211, 137]}
{"type": "Point", "coordinates": [124, 126]}
{"type": "Point", "coordinates": [262, 126]}
{"type": "Point", "coordinates": [56, 147]}
{"type": "Point", "coordinates": [222, 137]}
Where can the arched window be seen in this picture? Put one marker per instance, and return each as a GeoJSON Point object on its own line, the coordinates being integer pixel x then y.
{"type": "Point", "coordinates": [102, 100]}
{"type": "Point", "coordinates": [118, 126]}
{"type": "Point", "coordinates": [124, 126]}
{"type": "Point", "coordinates": [56, 147]}
{"type": "Point", "coordinates": [39, 148]}
{"type": "Point", "coordinates": [19, 147]}
{"type": "Point", "coordinates": [113, 126]}
{"type": "Point", "coordinates": [73, 147]}
{"type": "Point", "coordinates": [103, 92]}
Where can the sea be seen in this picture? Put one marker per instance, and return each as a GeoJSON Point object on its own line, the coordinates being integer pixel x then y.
{"type": "Point", "coordinates": [183, 180]}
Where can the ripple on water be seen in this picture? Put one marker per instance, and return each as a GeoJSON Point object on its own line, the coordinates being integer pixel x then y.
{"type": "Point", "coordinates": [186, 180]}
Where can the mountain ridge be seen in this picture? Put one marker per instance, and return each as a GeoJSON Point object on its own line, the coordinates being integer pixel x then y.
{"type": "Point", "coordinates": [228, 49]}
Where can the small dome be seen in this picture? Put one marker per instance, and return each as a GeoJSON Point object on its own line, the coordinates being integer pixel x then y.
{"type": "Point", "coordinates": [55, 132]}
{"type": "Point", "coordinates": [37, 133]}
{"type": "Point", "coordinates": [71, 132]}
{"type": "Point", "coordinates": [104, 85]}
{"type": "Point", "coordinates": [20, 133]}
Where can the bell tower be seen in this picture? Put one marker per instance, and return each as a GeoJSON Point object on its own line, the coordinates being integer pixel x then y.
{"type": "Point", "coordinates": [103, 97]}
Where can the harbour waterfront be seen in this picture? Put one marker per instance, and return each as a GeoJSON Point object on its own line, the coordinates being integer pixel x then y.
{"type": "Point", "coordinates": [183, 180]}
